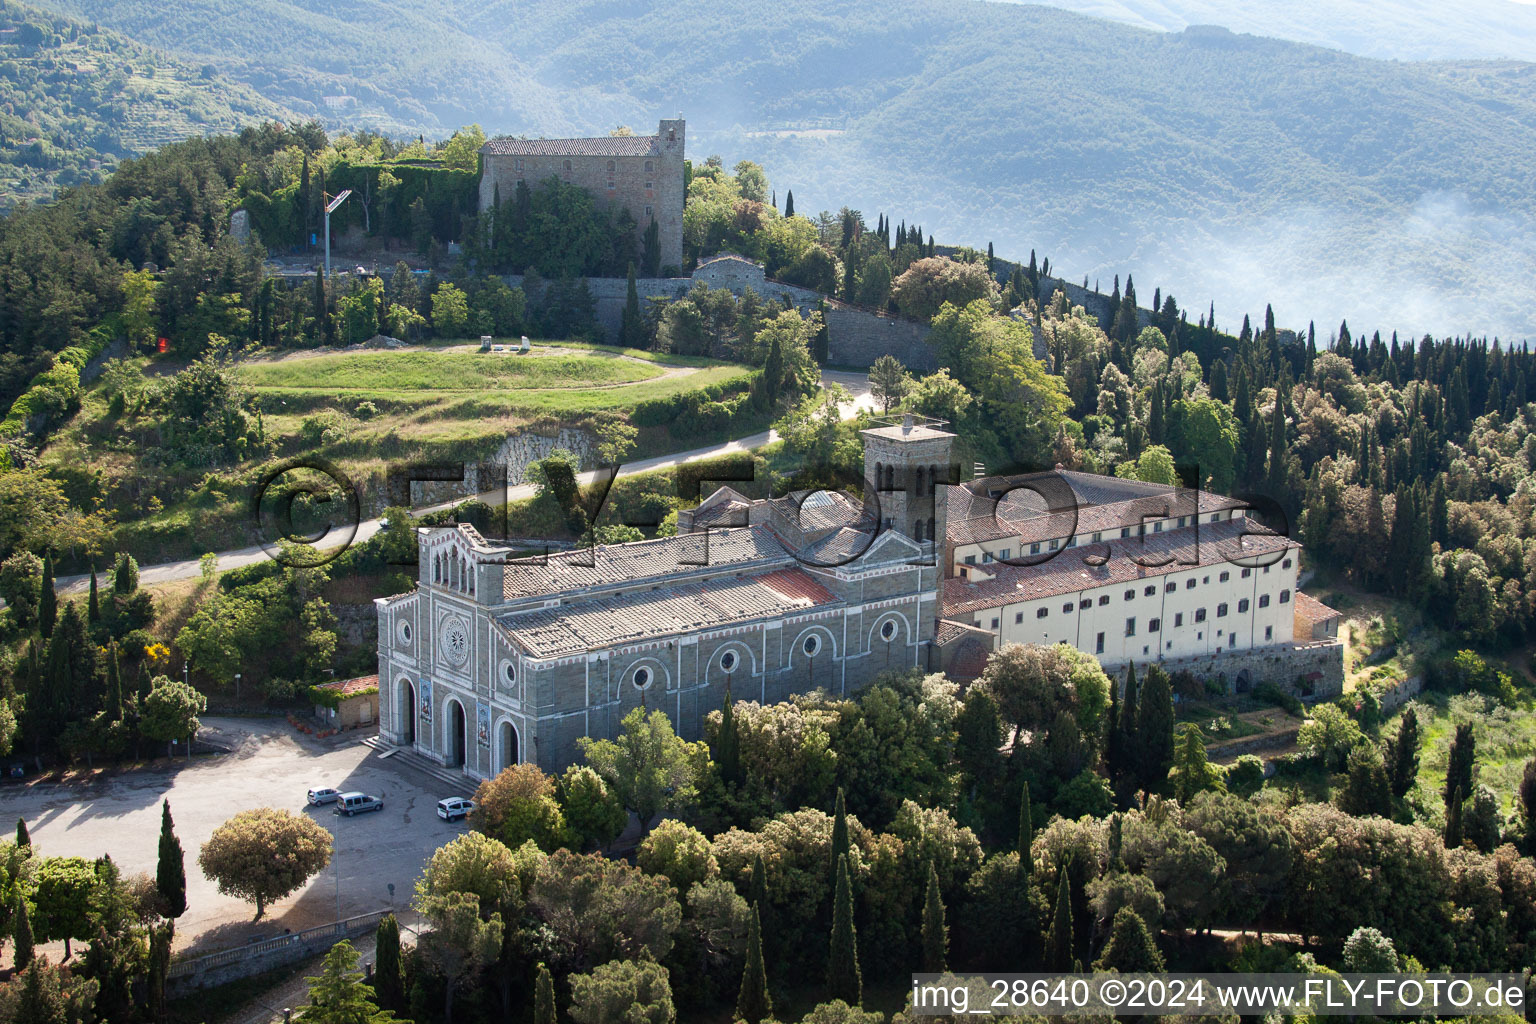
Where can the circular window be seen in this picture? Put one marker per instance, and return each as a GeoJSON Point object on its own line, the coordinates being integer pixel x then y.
{"type": "Point", "coordinates": [812, 644]}
{"type": "Point", "coordinates": [728, 660]}
{"type": "Point", "coordinates": [404, 631]}
{"type": "Point", "coordinates": [642, 678]}
{"type": "Point", "coordinates": [888, 630]}
{"type": "Point", "coordinates": [508, 672]}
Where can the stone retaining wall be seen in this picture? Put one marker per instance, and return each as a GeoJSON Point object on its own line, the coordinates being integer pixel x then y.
{"type": "Point", "coordinates": [1320, 663]}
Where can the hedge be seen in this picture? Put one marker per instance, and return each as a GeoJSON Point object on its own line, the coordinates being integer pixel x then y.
{"type": "Point", "coordinates": [662, 412]}
{"type": "Point", "coordinates": [59, 383]}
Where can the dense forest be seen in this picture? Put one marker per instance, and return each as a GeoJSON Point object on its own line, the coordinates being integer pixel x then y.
{"type": "Point", "coordinates": [1230, 165]}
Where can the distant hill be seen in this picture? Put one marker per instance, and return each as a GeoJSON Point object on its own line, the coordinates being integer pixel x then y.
{"type": "Point", "coordinates": [74, 99]}
{"type": "Point", "coordinates": [1214, 164]}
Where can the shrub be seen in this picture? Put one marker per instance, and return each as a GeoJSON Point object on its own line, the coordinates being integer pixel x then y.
{"type": "Point", "coordinates": [1271, 694]}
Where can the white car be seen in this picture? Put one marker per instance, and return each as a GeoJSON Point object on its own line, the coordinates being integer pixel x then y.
{"type": "Point", "coordinates": [322, 796]}
{"type": "Point", "coordinates": [454, 808]}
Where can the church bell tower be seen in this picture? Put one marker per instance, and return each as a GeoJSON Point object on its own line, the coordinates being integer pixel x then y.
{"type": "Point", "coordinates": [906, 468]}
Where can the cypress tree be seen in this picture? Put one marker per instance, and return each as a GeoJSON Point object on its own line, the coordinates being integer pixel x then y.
{"type": "Point", "coordinates": [1277, 449]}
{"type": "Point", "coordinates": [1116, 831]}
{"type": "Point", "coordinates": [1061, 926]}
{"type": "Point", "coordinates": [1458, 771]}
{"type": "Point", "coordinates": [47, 601]}
{"type": "Point", "coordinates": [840, 841]}
{"type": "Point", "coordinates": [114, 701]}
{"type": "Point", "coordinates": [1026, 829]}
{"type": "Point", "coordinates": [1130, 949]}
{"type": "Point", "coordinates": [728, 743]}
{"type": "Point", "coordinates": [21, 935]}
{"type": "Point", "coordinates": [171, 870]}
{"type": "Point", "coordinates": [93, 603]}
{"type": "Point", "coordinates": [789, 202]}
{"type": "Point", "coordinates": [544, 997]}
{"type": "Point", "coordinates": [1219, 381]}
{"type": "Point", "coordinates": [1455, 830]}
{"type": "Point", "coordinates": [753, 1002]}
{"type": "Point", "coordinates": [935, 934]}
{"type": "Point", "coordinates": [631, 323]}
{"type": "Point", "coordinates": [23, 837]}
{"type": "Point", "coordinates": [159, 966]}
{"type": "Point", "coordinates": [757, 888]}
{"type": "Point", "coordinates": [1154, 729]}
{"type": "Point", "coordinates": [773, 371]}
{"type": "Point", "coordinates": [388, 973]}
{"type": "Point", "coordinates": [843, 978]}
{"type": "Point", "coordinates": [1124, 770]}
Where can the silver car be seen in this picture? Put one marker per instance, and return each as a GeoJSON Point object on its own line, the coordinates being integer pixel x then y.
{"type": "Point", "coordinates": [322, 796]}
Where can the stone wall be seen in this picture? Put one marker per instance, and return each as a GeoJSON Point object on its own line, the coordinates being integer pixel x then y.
{"type": "Point", "coordinates": [856, 338]}
{"type": "Point", "coordinates": [1321, 664]}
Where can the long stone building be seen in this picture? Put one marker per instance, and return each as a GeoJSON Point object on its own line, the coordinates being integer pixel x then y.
{"type": "Point", "coordinates": [643, 174]}
{"type": "Point", "coordinates": [491, 661]}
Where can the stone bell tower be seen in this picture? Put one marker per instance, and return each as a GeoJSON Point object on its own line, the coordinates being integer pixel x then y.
{"type": "Point", "coordinates": [906, 466]}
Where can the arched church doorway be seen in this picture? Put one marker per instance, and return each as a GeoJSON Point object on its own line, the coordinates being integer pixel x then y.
{"type": "Point", "coordinates": [455, 742]}
{"type": "Point", "coordinates": [405, 713]}
{"type": "Point", "coordinates": [506, 745]}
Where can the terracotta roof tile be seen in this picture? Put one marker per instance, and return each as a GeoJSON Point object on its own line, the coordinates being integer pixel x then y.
{"type": "Point", "coordinates": [565, 571]}
{"type": "Point", "coordinates": [1068, 572]}
{"type": "Point", "coordinates": [1311, 609]}
{"type": "Point", "coordinates": [348, 687]}
{"type": "Point", "coordinates": [613, 620]}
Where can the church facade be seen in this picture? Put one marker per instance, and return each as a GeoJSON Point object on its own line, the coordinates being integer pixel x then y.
{"type": "Point", "coordinates": [493, 661]}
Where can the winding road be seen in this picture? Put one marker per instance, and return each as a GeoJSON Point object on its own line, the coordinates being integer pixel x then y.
{"type": "Point", "coordinates": [856, 383]}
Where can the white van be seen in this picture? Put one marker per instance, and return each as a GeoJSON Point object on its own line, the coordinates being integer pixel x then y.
{"type": "Point", "coordinates": [356, 803]}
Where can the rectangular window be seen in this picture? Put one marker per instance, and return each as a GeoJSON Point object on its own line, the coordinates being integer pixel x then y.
{"type": "Point", "coordinates": [1169, 588]}
{"type": "Point", "coordinates": [1178, 619]}
{"type": "Point", "coordinates": [1018, 618]}
{"type": "Point", "coordinates": [1183, 520]}
{"type": "Point", "coordinates": [1130, 594]}
{"type": "Point", "coordinates": [1042, 613]}
{"type": "Point", "coordinates": [970, 559]}
{"type": "Point", "coordinates": [1285, 564]}
{"type": "Point", "coordinates": [1157, 527]}
{"type": "Point", "coordinates": [1153, 625]}
{"type": "Point", "coordinates": [994, 623]}
{"type": "Point", "coordinates": [1269, 632]}
{"type": "Point", "coordinates": [1242, 606]}
{"type": "Point", "coordinates": [650, 184]}
{"type": "Point", "coordinates": [1103, 600]}
{"type": "Point", "coordinates": [1148, 591]}
{"type": "Point", "coordinates": [1199, 614]}
{"type": "Point", "coordinates": [517, 165]}
{"type": "Point", "coordinates": [1098, 536]}
{"type": "Point", "coordinates": [1221, 610]}
{"type": "Point", "coordinates": [1247, 573]}
{"type": "Point", "coordinates": [1003, 554]}
{"type": "Point", "coordinates": [1189, 584]}
{"type": "Point", "coordinates": [1266, 569]}
{"type": "Point", "coordinates": [1034, 549]}
{"type": "Point", "coordinates": [1263, 600]}
{"type": "Point", "coordinates": [1125, 532]}
{"type": "Point", "coordinates": [1285, 596]}
{"type": "Point", "coordinates": [1055, 544]}
{"type": "Point", "coordinates": [648, 211]}
{"type": "Point", "coordinates": [1066, 609]}
{"type": "Point", "coordinates": [649, 167]}
{"type": "Point", "coordinates": [1130, 626]}
{"type": "Point", "coordinates": [1098, 647]}
{"type": "Point", "coordinates": [1085, 603]}
{"type": "Point", "coordinates": [1224, 577]}
{"type": "Point", "coordinates": [986, 556]}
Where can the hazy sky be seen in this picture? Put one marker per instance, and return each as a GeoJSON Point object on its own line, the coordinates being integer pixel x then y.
{"type": "Point", "coordinates": [1400, 29]}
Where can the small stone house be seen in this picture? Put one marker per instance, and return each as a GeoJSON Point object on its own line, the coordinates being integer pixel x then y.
{"type": "Point", "coordinates": [347, 703]}
{"type": "Point", "coordinates": [1315, 620]}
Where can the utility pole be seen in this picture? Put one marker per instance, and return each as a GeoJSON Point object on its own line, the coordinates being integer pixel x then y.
{"type": "Point", "coordinates": [329, 207]}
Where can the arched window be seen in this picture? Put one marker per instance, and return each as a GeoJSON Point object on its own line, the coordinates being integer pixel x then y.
{"type": "Point", "coordinates": [453, 572]}
{"type": "Point", "coordinates": [917, 529]}
{"type": "Point", "coordinates": [931, 534]}
{"type": "Point", "coordinates": [879, 475]}
{"type": "Point", "coordinates": [437, 568]}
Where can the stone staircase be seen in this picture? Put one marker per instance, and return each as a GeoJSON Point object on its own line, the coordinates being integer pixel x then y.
{"type": "Point", "coordinates": [460, 783]}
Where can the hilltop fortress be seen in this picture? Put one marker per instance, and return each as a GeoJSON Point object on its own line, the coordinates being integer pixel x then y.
{"type": "Point", "coordinates": [643, 174]}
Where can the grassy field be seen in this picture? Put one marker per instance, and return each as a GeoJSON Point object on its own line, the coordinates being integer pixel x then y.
{"type": "Point", "coordinates": [1505, 739]}
{"type": "Point", "coordinates": [405, 373]}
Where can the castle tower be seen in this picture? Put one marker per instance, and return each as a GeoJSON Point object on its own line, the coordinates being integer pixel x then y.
{"type": "Point", "coordinates": [906, 468]}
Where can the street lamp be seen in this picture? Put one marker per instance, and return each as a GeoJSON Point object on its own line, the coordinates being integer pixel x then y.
{"type": "Point", "coordinates": [237, 686]}
{"type": "Point", "coordinates": [329, 207]}
{"type": "Point", "coordinates": [186, 667]}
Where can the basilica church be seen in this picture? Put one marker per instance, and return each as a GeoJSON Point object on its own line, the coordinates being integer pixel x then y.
{"type": "Point", "coordinates": [494, 660]}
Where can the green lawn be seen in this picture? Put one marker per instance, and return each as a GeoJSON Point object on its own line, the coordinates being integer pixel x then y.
{"type": "Point", "coordinates": [417, 372]}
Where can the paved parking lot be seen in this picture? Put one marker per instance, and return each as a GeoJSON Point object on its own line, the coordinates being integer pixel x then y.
{"type": "Point", "coordinates": [270, 766]}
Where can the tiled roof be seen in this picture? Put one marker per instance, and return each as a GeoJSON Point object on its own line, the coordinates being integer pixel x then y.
{"type": "Point", "coordinates": [1313, 610]}
{"type": "Point", "coordinates": [948, 631]}
{"type": "Point", "coordinates": [348, 687]}
{"type": "Point", "coordinates": [612, 145]}
{"type": "Point", "coordinates": [1068, 572]}
{"type": "Point", "coordinates": [642, 560]}
{"type": "Point", "coordinates": [608, 621]}
{"type": "Point", "coordinates": [734, 257]}
{"type": "Point", "coordinates": [723, 513]}
{"type": "Point", "coordinates": [1101, 503]}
